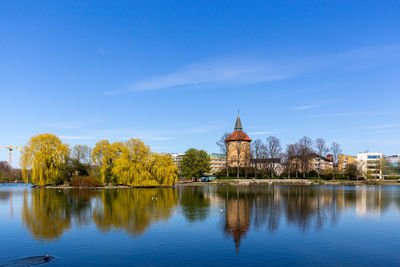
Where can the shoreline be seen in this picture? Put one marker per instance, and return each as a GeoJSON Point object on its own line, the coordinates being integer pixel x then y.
{"type": "Point", "coordinates": [231, 182]}
{"type": "Point", "coordinates": [263, 182]}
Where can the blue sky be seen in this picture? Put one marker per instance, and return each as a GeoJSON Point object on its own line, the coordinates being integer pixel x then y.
{"type": "Point", "coordinates": [174, 73]}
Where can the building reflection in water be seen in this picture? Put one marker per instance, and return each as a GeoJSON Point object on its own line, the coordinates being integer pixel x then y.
{"type": "Point", "coordinates": [48, 213]}
{"type": "Point", "coordinates": [237, 217]}
{"type": "Point", "coordinates": [301, 206]}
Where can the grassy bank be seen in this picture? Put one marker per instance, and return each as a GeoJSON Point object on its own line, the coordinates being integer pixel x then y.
{"type": "Point", "coordinates": [252, 182]}
{"type": "Point", "coordinates": [4, 180]}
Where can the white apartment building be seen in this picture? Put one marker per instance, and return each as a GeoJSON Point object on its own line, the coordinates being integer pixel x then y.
{"type": "Point", "coordinates": [369, 164]}
{"type": "Point", "coordinates": [177, 157]}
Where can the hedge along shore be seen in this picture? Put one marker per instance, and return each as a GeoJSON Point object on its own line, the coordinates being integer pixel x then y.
{"type": "Point", "coordinates": [97, 187]}
{"type": "Point", "coordinates": [256, 182]}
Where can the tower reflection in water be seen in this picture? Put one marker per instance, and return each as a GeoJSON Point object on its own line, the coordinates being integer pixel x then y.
{"type": "Point", "coordinates": [48, 213]}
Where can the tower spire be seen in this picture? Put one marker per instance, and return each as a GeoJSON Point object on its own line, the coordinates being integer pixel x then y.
{"type": "Point", "coordinates": [238, 124]}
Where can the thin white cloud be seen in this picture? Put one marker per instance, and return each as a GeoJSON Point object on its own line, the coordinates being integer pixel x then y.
{"type": "Point", "coordinates": [234, 71]}
{"type": "Point", "coordinates": [116, 92]}
{"type": "Point", "coordinates": [299, 108]}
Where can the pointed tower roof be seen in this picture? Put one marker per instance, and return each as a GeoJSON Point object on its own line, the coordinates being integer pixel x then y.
{"type": "Point", "coordinates": [238, 124]}
{"type": "Point", "coordinates": [238, 134]}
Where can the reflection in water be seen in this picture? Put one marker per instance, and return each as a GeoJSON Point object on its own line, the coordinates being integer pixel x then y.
{"type": "Point", "coordinates": [300, 206]}
{"type": "Point", "coordinates": [5, 195]}
{"type": "Point", "coordinates": [47, 213]}
{"type": "Point", "coordinates": [237, 216]}
{"type": "Point", "coordinates": [195, 205]}
{"type": "Point", "coordinates": [133, 210]}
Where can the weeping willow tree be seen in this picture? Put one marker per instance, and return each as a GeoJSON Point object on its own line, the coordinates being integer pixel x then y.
{"type": "Point", "coordinates": [105, 154]}
{"type": "Point", "coordinates": [132, 167]}
{"type": "Point", "coordinates": [43, 157]}
{"type": "Point", "coordinates": [137, 166]}
{"type": "Point", "coordinates": [163, 169]}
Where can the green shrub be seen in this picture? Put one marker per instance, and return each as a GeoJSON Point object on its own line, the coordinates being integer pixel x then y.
{"type": "Point", "coordinates": [392, 177]}
{"type": "Point", "coordinates": [85, 181]}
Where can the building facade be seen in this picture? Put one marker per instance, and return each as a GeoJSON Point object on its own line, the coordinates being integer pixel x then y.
{"type": "Point", "coordinates": [177, 158]}
{"type": "Point", "coordinates": [217, 162]}
{"type": "Point", "coordinates": [392, 168]}
{"type": "Point", "coordinates": [344, 161]}
{"type": "Point", "coordinates": [321, 164]}
{"type": "Point", "coordinates": [238, 146]}
{"type": "Point", "coordinates": [369, 165]}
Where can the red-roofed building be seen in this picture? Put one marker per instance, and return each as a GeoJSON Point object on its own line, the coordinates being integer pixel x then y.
{"type": "Point", "coordinates": [238, 146]}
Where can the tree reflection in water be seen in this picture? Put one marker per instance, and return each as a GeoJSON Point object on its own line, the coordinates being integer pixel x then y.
{"type": "Point", "coordinates": [195, 203]}
{"type": "Point", "coordinates": [301, 206]}
{"type": "Point", "coordinates": [47, 213]}
{"type": "Point", "coordinates": [133, 210]}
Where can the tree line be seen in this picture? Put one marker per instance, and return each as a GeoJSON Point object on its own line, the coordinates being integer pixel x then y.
{"type": "Point", "coordinates": [269, 159]}
{"type": "Point", "coordinates": [46, 160]}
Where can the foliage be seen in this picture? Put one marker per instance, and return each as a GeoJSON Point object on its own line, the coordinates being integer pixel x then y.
{"type": "Point", "coordinates": [163, 169]}
{"type": "Point", "coordinates": [44, 156]}
{"type": "Point", "coordinates": [137, 166]}
{"type": "Point", "coordinates": [79, 162]}
{"type": "Point", "coordinates": [195, 163]}
{"type": "Point", "coordinates": [82, 154]}
{"type": "Point", "coordinates": [351, 171]}
{"type": "Point", "coordinates": [132, 163]}
{"type": "Point", "coordinates": [105, 154]}
{"type": "Point", "coordinates": [251, 172]}
{"type": "Point", "coordinates": [392, 177]}
{"type": "Point", "coordinates": [85, 181]}
{"type": "Point", "coordinates": [312, 173]}
{"type": "Point", "coordinates": [222, 144]}
{"type": "Point", "coordinates": [72, 167]}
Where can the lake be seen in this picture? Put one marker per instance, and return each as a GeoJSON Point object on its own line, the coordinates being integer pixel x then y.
{"type": "Point", "coordinates": [202, 225]}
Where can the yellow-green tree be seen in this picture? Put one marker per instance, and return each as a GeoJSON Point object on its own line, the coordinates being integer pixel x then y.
{"type": "Point", "coordinates": [43, 156]}
{"type": "Point", "coordinates": [133, 165]}
{"type": "Point", "coordinates": [104, 155]}
{"type": "Point", "coordinates": [163, 169]}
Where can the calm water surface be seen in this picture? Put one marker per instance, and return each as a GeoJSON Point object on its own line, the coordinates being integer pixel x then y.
{"type": "Point", "coordinates": [274, 225]}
